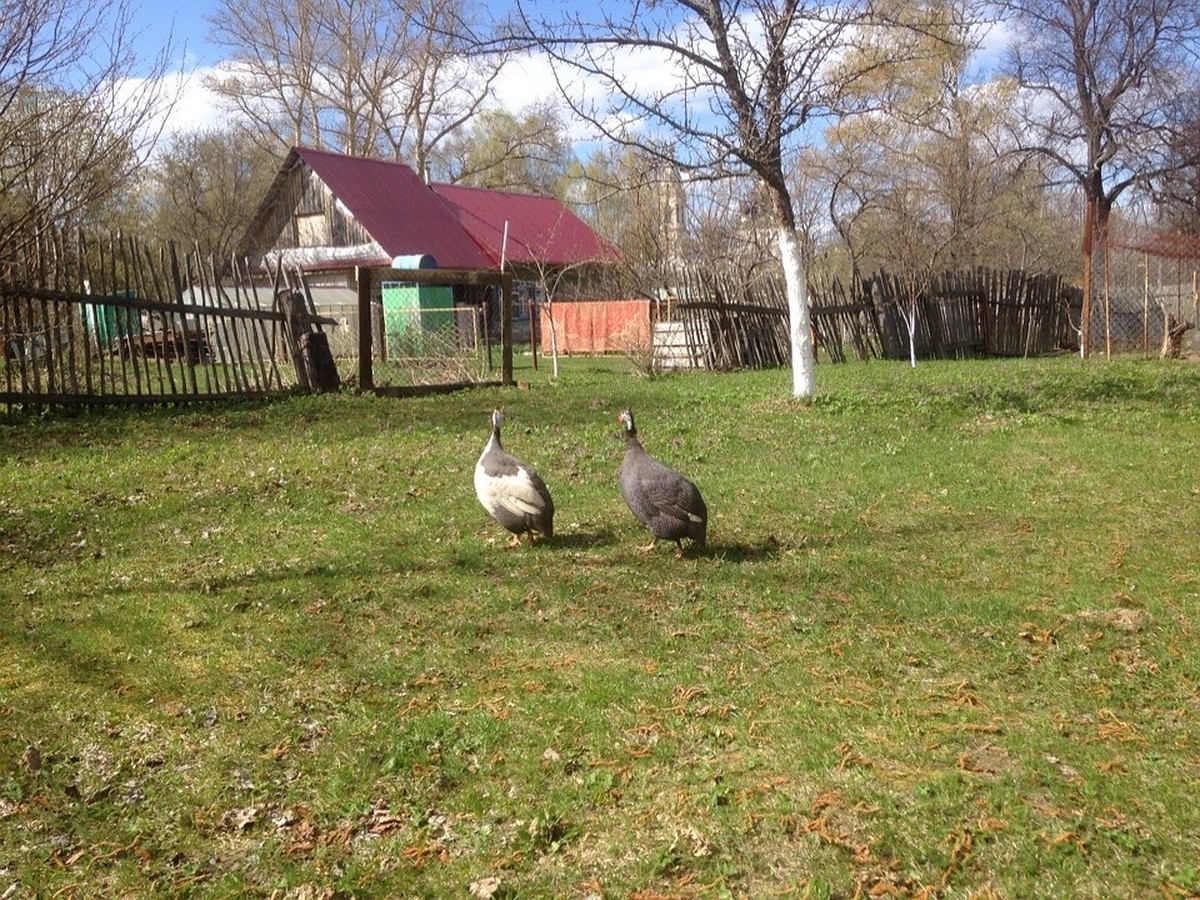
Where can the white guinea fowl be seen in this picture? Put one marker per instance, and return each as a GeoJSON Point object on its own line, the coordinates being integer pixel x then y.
{"type": "Point", "coordinates": [662, 499]}
{"type": "Point", "coordinates": [512, 493]}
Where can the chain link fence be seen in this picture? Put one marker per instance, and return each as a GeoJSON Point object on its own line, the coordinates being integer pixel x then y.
{"type": "Point", "coordinates": [1145, 292]}
{"type": "Point", "coordinates": [418, 338]}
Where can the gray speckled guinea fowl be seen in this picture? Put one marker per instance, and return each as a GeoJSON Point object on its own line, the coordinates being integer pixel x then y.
{"type": "Point", "coordinates": [512, 493]}
{"type": "Point", "coordinates": [662, 499]}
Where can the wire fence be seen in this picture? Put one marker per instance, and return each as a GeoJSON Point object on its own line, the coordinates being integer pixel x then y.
{"type": "Point", "coordinates": [1145, 292]}
{"type": "Point", "coordinates": [431, 345]}
{"type": "Point", "coordinates": [413, 346]}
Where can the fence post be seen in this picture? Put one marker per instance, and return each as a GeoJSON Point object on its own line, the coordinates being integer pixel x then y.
{"type": "Point", "coordinates": [315, 369]}
{"type": "Point", "coordinates": [322, 370]}
{"type": "Point", "coordinates": [506, 311]}
{"type": "Point", "coordinates": [293, 325]}
{"type": "Point", "coordinates": [366, 373]}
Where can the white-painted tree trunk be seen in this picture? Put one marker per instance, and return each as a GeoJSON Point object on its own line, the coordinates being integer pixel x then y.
{"type": "Point", "coordinates": [910, 319]}
{"type": "Point", "coordinates": [553, 338]}
{"type": "Point", "coordinates": [804, 382]}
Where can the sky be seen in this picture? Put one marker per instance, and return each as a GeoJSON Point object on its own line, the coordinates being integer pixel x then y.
{"type": "Point", "coordinates": [184, 24]}
{"type": "Point", "coordinates": [179, 21]}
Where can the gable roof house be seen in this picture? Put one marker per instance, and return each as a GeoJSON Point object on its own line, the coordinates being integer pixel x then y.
{"type": "Point", "coordinates": [333, 215]}
{"type": "Point", "coordinates": [531, 234]}
{"type": "Point", "coordinates": [329, 213]}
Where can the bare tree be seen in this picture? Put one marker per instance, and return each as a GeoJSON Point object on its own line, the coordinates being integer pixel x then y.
{"type": "Point", "coordinates": [551, 279]}
{"type": "Point", "coordinates": [75, 123]}
{"type": "Point", "coordinates": [1177, 192]}
{"type": "Point", "coordinates": [729, 226]}
{"type": "Point", "coordinates": [1101, 76]}
{"type": "Point", "coordinates": [639, 204]}
{"type": "Point", "coordinates": [204, 187]}
{"type": "Point", "coordinates": [937, 186]}
{"type": "Point", "coordinates": [734, 86]}
{"type": "Point", "coordinates": [388, 78]}
{"type": "Point", "coordinates": [527, 151]}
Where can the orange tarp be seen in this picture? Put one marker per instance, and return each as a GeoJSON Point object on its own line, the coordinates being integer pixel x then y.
{"type": "Point", "coordinates": [597, 326]}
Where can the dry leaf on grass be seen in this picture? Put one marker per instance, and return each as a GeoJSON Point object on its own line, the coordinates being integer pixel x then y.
{"type": "Point", "coordinates": [31, 760]}
{"type": "Point", "coordinates": [240, 819]}
{"type": "Point", "coordinates": [485, 887]}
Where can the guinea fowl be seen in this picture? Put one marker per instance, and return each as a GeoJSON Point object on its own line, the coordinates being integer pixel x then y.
{"type": "Point", "coordinates": [512, 493]}
{"type": "Point", "coordinates": [662, 499]}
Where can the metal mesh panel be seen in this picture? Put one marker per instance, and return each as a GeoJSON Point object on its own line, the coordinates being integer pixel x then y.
{"type": "Point", "coordinates": [1145, 292]}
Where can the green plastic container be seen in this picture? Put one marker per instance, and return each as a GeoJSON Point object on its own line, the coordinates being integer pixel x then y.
{"type": "Point", "coordinates": [411, 312]}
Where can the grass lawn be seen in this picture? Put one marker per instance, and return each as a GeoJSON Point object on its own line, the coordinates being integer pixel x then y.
{"type": "Point", "coordinates": [943, 642]}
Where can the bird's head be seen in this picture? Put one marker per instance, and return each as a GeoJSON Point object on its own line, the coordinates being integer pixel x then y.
{"type": "Point", "coordinates": [625, 417]}
{"type": "Point", "coordinates": [497, 418]}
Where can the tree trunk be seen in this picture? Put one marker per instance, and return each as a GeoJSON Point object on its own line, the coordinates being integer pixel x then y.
{"type": "Point", "coordinates": [553, 337]}
{"type": "Point", "coordinates": [295, 324]}
{"type": "Point", "coordinates": [911, 320]}
{"type": "Point", "coordinates": [1095, 240]}
{"type": "Point", "coordinates": [1085, 312]}
{"type": "Point", "coordinates": [804, 383]}
{"type": "Point", "coordinates": [309, 349]}
{"type": "Point", "coordinates": [1172, 345]}
{"type": "Point", "coordinates": [322, 371]}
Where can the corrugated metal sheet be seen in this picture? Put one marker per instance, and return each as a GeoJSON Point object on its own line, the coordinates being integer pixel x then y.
{"type": "Point", "coordinates": [541, 230]}
{"type": "Point", "coordinates": [397, 209]}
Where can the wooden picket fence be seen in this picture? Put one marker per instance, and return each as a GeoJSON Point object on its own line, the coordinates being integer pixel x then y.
{"type": "Point", "coordinates": [726, 321]}
{"type": "Point", "coordinates": [978, 313]}
{"type": "Point", "coordinates": [723, 322]}
{"type": "Point", "coordinates": [124, 323]}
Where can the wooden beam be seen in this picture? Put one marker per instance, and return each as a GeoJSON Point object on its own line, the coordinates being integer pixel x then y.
{"type": "Point", "coordinates": [366, 373]}
{"type": "Point", "coordinates": [506, 315]}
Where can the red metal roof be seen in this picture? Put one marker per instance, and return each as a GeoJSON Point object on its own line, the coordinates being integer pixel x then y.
{"type": "Point", "coordinates": [460, 227]}
{"type": "Point", "coordinates": [541, 230]}
{"type": "Point", "coordinates": [397, 209]}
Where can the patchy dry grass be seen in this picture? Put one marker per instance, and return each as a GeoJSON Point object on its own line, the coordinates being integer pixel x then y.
{"type": "Point", "coordinates": [943, 643]}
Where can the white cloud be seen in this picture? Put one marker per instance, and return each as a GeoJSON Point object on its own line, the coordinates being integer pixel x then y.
{"type": "Point", "coordinates": [526, 80]}
{"type": "Point", "coordinates": [197, 107]}
{"type": "Point", "coordinates": [993, 42]}
{"type": "Point", "coordinates": [187, 104]}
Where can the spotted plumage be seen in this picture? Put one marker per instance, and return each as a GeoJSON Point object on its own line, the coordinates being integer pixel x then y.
{"type": "Point", "coordinates": [512, 493]}
{"type": "Point", "coordinates": [660, 497]}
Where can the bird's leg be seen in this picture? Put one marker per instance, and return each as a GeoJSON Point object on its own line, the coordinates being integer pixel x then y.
{"type": "Point", "coordinates": [679, 549]}
{"type": "Point", "coordinates": [650, 546]}
{"type": "Point", "coordinates": [514, 541]}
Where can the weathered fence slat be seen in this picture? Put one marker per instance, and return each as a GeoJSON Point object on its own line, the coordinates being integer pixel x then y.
{"type": "Point", "coordinates": [117, 322]}
{"type": "Point", "coordinates": [730, 323]}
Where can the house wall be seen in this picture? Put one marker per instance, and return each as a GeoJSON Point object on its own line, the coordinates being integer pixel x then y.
{"type": "Point", "coordinates": [304, 213]}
